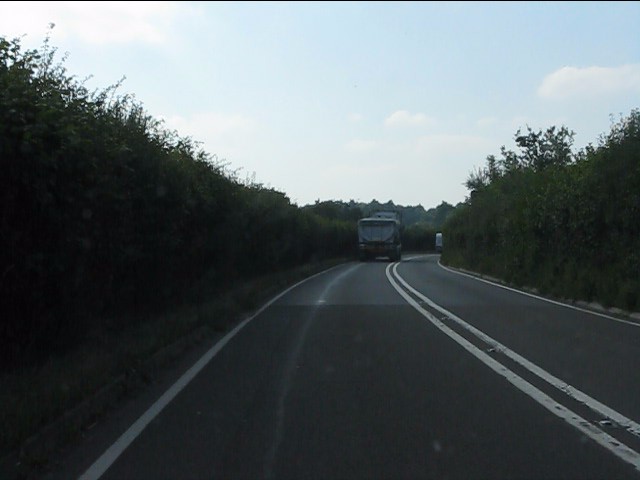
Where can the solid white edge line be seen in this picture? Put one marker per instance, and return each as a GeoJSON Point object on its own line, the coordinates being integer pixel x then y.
{"type": "Point", "coordinates": [102, 464]}
{"type": "Point", "coordinates": [602, 438]}
{"type": "Point", "coordinates": [532, 295]}
{"type": "Point", "coordinates": [625, 422]}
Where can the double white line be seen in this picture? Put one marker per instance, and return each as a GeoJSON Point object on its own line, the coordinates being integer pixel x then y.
{"type": "Point", "coordinates": [615, 446]}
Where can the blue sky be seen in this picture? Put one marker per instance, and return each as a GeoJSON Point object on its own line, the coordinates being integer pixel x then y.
{"type": "Point", "coordinates": [364, 100]}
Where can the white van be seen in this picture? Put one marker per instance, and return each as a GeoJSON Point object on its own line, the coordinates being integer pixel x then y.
{"type": "Point", "coordinates": [439, 242]}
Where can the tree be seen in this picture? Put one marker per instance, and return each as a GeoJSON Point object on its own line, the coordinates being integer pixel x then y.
{"type": "Point", "coordinates": [540, 150]}
{"type": "Point", "coordinates": [477, 180]}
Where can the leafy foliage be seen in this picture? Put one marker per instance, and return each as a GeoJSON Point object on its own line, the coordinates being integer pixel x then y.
{"type": "Point", "coordinates": [562, 222]}
{"type": "Point", "coordinates": [105, 211]}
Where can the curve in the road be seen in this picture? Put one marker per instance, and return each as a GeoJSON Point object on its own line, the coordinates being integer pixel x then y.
{"type": "Point", "coordinates": [616, 447]}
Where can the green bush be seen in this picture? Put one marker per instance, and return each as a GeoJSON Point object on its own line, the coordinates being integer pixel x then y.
{"type": "Point", "coordinates": [105, 211]}
{"type": "Point", "coordinates": [565, 223]}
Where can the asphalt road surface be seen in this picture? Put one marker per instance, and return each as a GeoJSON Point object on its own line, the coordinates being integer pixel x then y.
{"type": "Point", "coordinates": [385, 370]}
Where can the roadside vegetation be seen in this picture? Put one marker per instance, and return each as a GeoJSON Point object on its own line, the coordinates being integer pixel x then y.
{"type": "Point", "coordinates": [111, 364]}
{"type": "Point", "coordinates": [120, 236]}
{"type": "Point", "coordinates": [564, 223]}
{"type": "Point", "coordinates": [104, 212]}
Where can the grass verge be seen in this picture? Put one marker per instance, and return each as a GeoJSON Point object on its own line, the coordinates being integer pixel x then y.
{"type": "Point", "coordinates": [37, 399]}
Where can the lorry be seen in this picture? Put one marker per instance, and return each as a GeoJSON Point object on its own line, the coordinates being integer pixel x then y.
{"type": "Point", "coordinates": [379, 236]}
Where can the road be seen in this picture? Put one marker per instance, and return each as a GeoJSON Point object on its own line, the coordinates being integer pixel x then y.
{"type": "Point", "coordinates": [385, 370]}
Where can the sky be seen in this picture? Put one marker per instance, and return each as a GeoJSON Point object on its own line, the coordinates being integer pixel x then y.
{"type": "Point", "coordinates": [358, 100]}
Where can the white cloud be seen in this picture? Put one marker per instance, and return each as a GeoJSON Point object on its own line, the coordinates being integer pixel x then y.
{"type": "Point", "coordinates": [351, 171]}
{"type": "Point", "coordinates": [520, 121]}
{"type": "Point", "coordinates": [92, 22]}
{"type": "Point", "coordinates": [361, 146]}
{"type": "Point", "coordinates": [223, 135]}
{"type": "Point", "coordinates": [355, 117]}
{"type": "Point", "coordinates": [403, 118]}
{"type": "Point", "coordinates": [485, 122]}
{"type": "Point", "coordinates": [586, 82]}
{"type": "Point", "coordinates": [212, 123]}
{"type": "Point", "coordinates": [448, 144]}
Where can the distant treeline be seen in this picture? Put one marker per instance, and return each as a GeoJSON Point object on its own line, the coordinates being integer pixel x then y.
{"type": "Point", "coordinates": [419, 226]}
{"type": "Point", "coordinates": [567, 224]}
{"type": "Point", "coordinates": [433, 218]}
{"type": "Point", "coordinates": [105, 211]}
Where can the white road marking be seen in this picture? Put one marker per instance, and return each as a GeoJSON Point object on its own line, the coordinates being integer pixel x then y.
{"type": "Point", "coordinates": [592, 403]}
{"type": "Point", "coordinates": [555, 302]}
{"type": "Point", "coordinates": [102, 464]}
{"type": "Point", "coordinates": [569, 390]}
{"type": "Point", "coordinates": [289, 370]}
{"type": "Point", "coordinates": [602, 438]}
